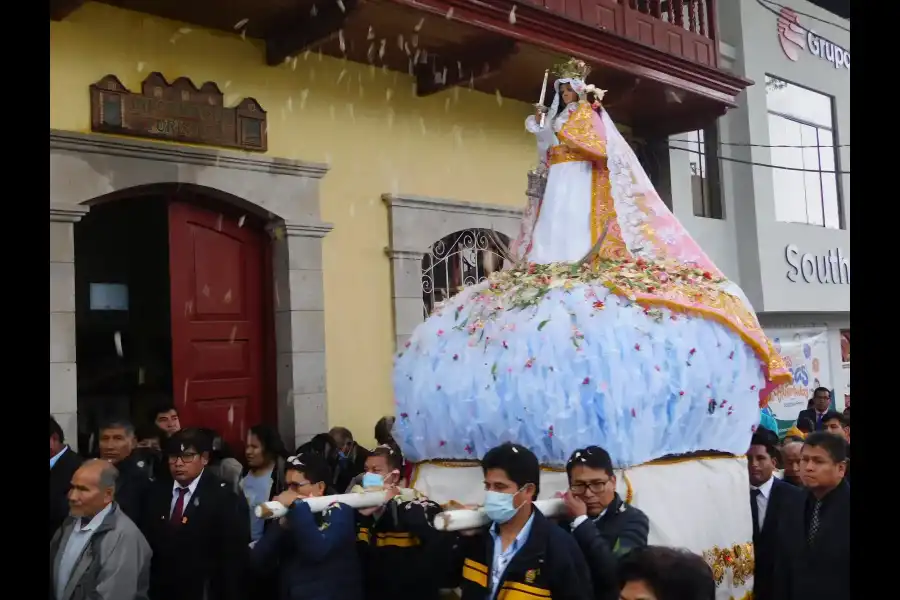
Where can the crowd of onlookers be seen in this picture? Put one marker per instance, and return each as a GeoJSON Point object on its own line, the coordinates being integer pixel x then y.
{"type": "Point", "coordinates": [165, 513]}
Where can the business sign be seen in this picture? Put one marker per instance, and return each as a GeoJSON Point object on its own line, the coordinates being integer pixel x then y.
{"type": "Point", "coordinates": [795, 39]}
{"type": "Point", "coordinates": [833, 267]}
{"type": "Point", "coordinates": [806, 353]}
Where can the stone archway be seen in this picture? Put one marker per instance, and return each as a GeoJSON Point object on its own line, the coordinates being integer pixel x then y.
{"type": "Point", "coordinates": [86, 168]}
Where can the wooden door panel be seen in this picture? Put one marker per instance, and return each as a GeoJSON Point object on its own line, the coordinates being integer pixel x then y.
{"type": "Point", "coordinates": [216, 271]}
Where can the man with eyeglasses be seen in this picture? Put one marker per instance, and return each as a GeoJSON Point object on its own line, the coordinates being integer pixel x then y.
{"type": "Point", "coordinates": [197, 527]}
{"type": "Point", "coordinates": [605, 527]}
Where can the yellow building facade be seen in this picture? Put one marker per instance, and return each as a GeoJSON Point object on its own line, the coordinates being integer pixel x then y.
{"type": "Point", "coordinates": [432, 155]}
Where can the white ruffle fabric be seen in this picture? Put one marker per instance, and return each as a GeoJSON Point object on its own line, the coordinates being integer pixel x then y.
{"type": "Point", "coordinates": [562, 375]}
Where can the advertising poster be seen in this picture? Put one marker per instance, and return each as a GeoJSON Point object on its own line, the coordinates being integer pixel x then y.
{"type": "Point", "coordinates": [805, 352]}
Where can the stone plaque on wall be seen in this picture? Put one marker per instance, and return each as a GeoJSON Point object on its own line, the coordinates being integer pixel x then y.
{"type": "Point", "coordinates": [177, 111]}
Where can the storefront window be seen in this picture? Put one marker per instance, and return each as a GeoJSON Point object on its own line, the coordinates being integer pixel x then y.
{"type": "Point", "coordinates": [801, 130]}
{"type": "Point", "coordinates": [701, 145]}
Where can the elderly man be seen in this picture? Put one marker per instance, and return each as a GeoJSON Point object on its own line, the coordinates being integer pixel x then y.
{"type": "Point", "coordinates": [98, 553]}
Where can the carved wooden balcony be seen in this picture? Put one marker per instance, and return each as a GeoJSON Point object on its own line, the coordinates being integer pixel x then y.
{"type": "Point", "coordinates": [657, 58]}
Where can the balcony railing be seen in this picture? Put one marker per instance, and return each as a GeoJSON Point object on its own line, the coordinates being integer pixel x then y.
{"type": "Point", "coordinates": [684, 28]}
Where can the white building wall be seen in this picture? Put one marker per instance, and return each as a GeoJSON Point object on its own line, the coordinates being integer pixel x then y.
{"type": "Point", "coordinates": [749, 244]}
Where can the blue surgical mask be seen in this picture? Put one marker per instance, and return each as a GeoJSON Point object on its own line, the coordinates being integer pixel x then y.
{"type": "Point", "coordinates": [372, 480]}
{"type": "Point", "coordinates": [499, 507]}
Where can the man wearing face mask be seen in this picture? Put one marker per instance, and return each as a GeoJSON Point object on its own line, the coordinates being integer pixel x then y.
{"type": "Point", "coordinates": [351, 458]}
{"type": "Point", "coordinates": [522, 554]}
{"type": "Point", "coordinates": [391, 537]}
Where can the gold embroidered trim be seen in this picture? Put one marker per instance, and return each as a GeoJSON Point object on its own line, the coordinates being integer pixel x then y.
{"type": "Point", "coordinates": [739, 558]}
{"type": "Point", "coordinates": [578, 132]}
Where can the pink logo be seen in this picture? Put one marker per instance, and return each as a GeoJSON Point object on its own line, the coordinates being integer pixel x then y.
{"type": "Point", "coordinates": [790, 34]}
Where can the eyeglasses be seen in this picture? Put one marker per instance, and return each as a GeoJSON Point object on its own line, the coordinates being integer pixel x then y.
{"type": "Point", "coordinates": [594, 486]}
{"type": "Point", "coordinates": [187, 457]}
{"type": "Point", "coordinates": [296, 485]}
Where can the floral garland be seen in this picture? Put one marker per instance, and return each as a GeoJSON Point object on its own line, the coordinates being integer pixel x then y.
{"type": "Point", "coordinates": [525, 286]}
{"type": "Point", "coordinates": [739, 558]}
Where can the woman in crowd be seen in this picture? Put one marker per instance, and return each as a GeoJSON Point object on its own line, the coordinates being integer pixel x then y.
{"type": "Point", "coordinates": [263, 478]}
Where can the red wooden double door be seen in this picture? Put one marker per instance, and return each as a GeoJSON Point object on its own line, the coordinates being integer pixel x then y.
{"type": "Point", "coordinates": [219, 279]}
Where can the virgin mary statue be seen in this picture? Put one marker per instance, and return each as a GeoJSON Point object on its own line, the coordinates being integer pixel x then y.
{"type": "Point", "coordinates": [613, 328]}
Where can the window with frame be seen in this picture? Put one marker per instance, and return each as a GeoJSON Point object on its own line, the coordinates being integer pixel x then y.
{"type": "Point", "coordinates": [702, 147]}
{"type": "Point", "coordinates": [801, 132]}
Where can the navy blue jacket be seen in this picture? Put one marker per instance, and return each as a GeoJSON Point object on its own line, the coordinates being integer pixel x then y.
{"type": "Point", "coordinates": [549, 565]}
{"type": "Point", "coordinates": [315, 556]}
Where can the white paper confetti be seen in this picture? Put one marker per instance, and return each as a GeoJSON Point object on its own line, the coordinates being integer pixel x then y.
{"type": "Point", "coordinates": [499, 98]}
{"type": "Point", "coordinates": [371, 35]}
{"type": "Point", "coordinates": [304, 94]}
{"type": "Point", "coordinates": [450, 13]}
{"type": "Point", "coordinates": [418, 26]}
{"type": "Point", "coordinates": [382, 48]}
{"type": "Point", "coordinates": [341, 75]}
{"type": "Point", "coordinates": [512, 16]}
{"type": "Point", "coordinates": [294, 64]}
{"type": "Point", "coordinates": [117, 340]}
{"type": "Point", "coordinates": [241, 220]}
{"type": "Point", "coordinates": [227, 298]}
{"type": "Point", "coordinates": [185, 30]}
{"type": "Point", "coordinates": [290, 104]}
{"type": "Point", "coordinates": [313, 11]}
{"type": "Point", "coordinates": [341, 6]}
{"type": "Point", "coordinates": [140, 67]}
{"type": "Point", "coordinates": [241, 24]}
{"type": "Point", "coordinates": [341, 41]}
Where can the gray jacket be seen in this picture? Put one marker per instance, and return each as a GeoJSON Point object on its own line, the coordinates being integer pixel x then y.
{"type": "Point", "coordinates": [114, 565]}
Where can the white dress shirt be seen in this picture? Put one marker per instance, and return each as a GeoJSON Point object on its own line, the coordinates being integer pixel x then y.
{"type": "Point", "coordinates": [192, 487]}
{"type": "Point", "coordinates": [579, 520]}
{"type": "Point", "coordinates": [762, 500]}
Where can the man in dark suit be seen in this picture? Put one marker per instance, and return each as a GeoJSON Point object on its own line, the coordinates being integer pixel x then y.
{"type": "Point", "coordinates": [63, 464]}
{"type": "Point", "coordinates": [351, 458]}
{"type": "Point", "coordinates": [821, 405]}
{"type": "Point", "coordinates": [768, 497]}
{"type": "Point", "coordinates": [197, 527]}
{"type": "Point", "coordinates": [838, 424]}
{"type": "Point", "coordinates": [813, 536]}
{"type": "Point", "coordinates": [603, 525]}
{"type": "Point", "coordinates": [117, 443]}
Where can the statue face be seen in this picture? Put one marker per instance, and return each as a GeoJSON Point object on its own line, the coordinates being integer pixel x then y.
{"type": "Point", "coordinates": [568, 94]}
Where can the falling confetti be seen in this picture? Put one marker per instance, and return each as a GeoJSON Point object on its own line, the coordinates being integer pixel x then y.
{"type": "Point", "coordinates": [421, 22]}
{"type": "Point", "coordinates": [512, 16]}
{"type": "Point", "coordinates": [219, 223]}
{"type": "Point", "coordinates": [350, 110]}
{"type": "Point", "coordinates": [341, 75]}
{"type": "Point", "coordinates": [243, 34]}
{"type": "Point", "coordinates": [227, 298]}
{"type": "Point", "coordinates": [185, 30]}
{"type": "Point", "coordinates": [231, 415]}
{"type": "Point", "coordinates": [422, 125]}
{"type": "Point", "coordinates": [233, 334]}
{"type": "Point", "coordinates": [371, 35]}
{"type": "Point", "coordinates": [450, 13]}
{"type": "Point", "coordinates": [241, 24]}
{"type": "Point", "coordinates": [313, 11]}
{"type": "Point", "coordinates": [388, 94]}
{"type": "Point", "coordinates": [294, 64]}
{"type": "Point", "coordinates": [499, 98]}
{"type": "Point", "coordinates": [447, 105]}
{"type": "Point", "coordinates": [241, 220]}
{"type": "Point", "coordinates": [117, 340]}
{"type": "Point", "coordinates": [341, 6]}
{"type": "Point", "coordinates": [227, 84]}
{"type": "Point", "coordinates": [341, 41]}
{"type": "Point", "coordinates": [290, 104]}
{"type": "Point", "coordinates": [400, 41]}
{"type": "Point", "coordinates": [303, 95]}
{"type": "Point", "coordinates": [381, 49]}
{"type": "Point", "coordinates": [140, 67]}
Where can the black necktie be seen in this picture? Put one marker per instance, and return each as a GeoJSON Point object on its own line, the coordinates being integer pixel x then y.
{"type": "Point", "coordinates": [754, 510]}
{"type": "Point", "coordinates": [814, 523]}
